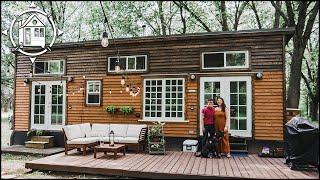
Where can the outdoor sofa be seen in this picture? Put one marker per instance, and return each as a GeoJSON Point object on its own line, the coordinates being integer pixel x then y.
{"type": "Point", "coordinates": [87, 135]}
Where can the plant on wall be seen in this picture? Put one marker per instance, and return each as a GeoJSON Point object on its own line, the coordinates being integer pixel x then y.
{"type": "Point", "coordinates": [111, 109]}
{"type": "Point", "coordinates": [126, 110]}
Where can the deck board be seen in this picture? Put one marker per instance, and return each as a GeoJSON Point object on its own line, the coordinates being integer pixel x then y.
{"type": "Point", "coordinates": [173, 164]}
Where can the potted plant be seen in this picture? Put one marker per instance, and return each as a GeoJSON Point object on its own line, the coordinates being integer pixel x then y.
{"type": "Point", "coordinates": [111, 109]}
{"type": "Point", "coordinates": [156, 131]}
{"type": "Point", "coordinates": [126, 110]}
{"type": "Point", "coordinates": [34, 132]}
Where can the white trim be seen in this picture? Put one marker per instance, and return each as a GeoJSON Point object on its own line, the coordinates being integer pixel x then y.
{"type": "Point", "coordinates": [225, 60]}
{"type": "Point", "coordinates": [48, 65]}
{"type": "Point", "coordinates": [163, 120]}
{"type": "Point", "coordinates": [93, 93]}
{"type": "Point", "coordinates": [48, 106]}
{"type": "Point", "coordinates": [163, 104]}
{"type": "Point", "coordinates": [225, 93]}
{"type": "Point", "coordinates": [135, 67]}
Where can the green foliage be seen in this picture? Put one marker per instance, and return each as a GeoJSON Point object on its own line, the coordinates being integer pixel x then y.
{"type": "Point", "coordinates": [156, 129]}
{"type": "Point", "coordinates": [34, 132]}
{"type": "Point", "coordinates": [126, 110]}
{"type": "Point", "coordinates": [111, 109]}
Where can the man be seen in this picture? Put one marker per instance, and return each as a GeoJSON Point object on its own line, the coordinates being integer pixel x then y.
{"type": "Point", "coordinates": [206, 124]}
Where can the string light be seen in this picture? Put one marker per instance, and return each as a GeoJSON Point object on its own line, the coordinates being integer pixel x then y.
{"type": "Point", "coordinates": [127, 88]}
{"type": "Point", "coordinates": [110, 91]}
{"type": "Point", "coordinates": [123, 82]}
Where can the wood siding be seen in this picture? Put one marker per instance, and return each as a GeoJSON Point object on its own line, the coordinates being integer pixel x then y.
{"type": "Point", "coordinates": [268, 106]}
{"type": "Point", "coordinates": [174, 56]}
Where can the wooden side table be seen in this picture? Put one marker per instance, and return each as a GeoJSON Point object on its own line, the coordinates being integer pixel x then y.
{"type": "Point", "coordinates": [107, 148]}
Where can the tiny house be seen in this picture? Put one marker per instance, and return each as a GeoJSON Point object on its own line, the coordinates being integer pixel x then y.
{"type": "Point", "coordinates": [32, 31]}
{"type": "Point", "coordinates": [163, 78]}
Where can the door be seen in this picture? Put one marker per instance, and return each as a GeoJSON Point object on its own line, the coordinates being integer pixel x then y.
{"type": "Point", "coordinates": [48, 105]}
{"type": "Point", "coordinates": [236, 92]}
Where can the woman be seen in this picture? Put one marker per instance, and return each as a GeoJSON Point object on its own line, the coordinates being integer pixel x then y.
{"type": "Point", "coordinates": [221, 124]}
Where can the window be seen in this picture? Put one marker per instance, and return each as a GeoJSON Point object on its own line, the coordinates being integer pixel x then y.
{"type": "Point", "coordinates": [128, 63]}
{"type": "Point", "coordinates": [49, 67]}
{"type": "Point", "coordinates": [164, 99]}
{"type": "Point", "coordinates": [238, 105]}
{"type": "Point", "coordinates": [27, 36]}
{"type": "Point", "coordinates": [36, 32]}
{"type": "Point", "coordinates": [41, 32]}
{"type": "Point", "coordinates": [93, 92]}
{"type": "Point", "coordinates": [228, 59]}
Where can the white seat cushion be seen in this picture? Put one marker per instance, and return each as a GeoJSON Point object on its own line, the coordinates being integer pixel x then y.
{"type": "Point", "coordinates": [134, 130]}
{"type": "Point", "coordinates": [120, 130]}
{"type": "Point", "coordinates": [86, 129]}
{"type": "Point", "coordinates": [127, 140]}
{"type": "Point", "coordinates": [73, 131]}
{"type": "Point", "coordinates": [99, 130]}
{"type": "Point", "coordinates": [87, 140]}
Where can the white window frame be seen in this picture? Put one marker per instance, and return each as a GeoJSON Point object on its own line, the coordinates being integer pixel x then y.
{"type": "Point", "coordinates": [48, 100]}
{"type": "Point", "coordinates": [135, 62]}
{"type": "Point", "coordinates": [225, 60]}
{"type": "Point", "coordinates": [48, 66]}
{"type": "Point", "coordinates": [93, 93]}
{"type": "Point", "coordinates": [163, 104]}
{"type": "Point", "coordinates": [225, 93]}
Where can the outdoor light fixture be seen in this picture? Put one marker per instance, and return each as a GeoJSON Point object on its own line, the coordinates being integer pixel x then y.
{"type": "Point", "coordinates": [30, 74]}
{"type": "Point", "coordinates": [259, 75]}
{"type": "Point", "coordinates": [25, 82]}
{"type": "Point", "coordinates": [104, 40]}
{"type": "Point", "coordinates": [123, 82]}
{"type": "Point", "coordinates": [127, 88]}
{"type": "Point", "coordinates": [70, 79]}
{"type": "Point", "coordinates": [192, 77]}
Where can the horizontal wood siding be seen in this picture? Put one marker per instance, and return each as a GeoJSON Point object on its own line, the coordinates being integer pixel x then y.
{"type": "Point", "coordinates": [22, 108]}
{"type": "Point", "coordinates": [268, 106]}
{"type": "Point", "coordinates": [173, 56]}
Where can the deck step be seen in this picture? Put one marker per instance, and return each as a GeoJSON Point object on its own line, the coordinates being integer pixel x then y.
{"type": "Point", "coordinates": [239, 151]}
{"type": "Point", "coordinates": [48, 139]}
{"type": "Point", "coordinates": [38, 144]}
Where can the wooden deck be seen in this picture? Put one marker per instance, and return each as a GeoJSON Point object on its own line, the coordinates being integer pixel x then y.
{"type": "Point", "coordinates": [172, 165]}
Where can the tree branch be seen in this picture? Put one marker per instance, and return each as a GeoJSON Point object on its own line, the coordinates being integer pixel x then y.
{"type": "Point", "coordinates": [193, 14]}
{"type": "Point", "coordinates": [291, 22]}
{"type": "Point", "coordinates": [277, 8]}
{"type": "Point", "coordinates": [308, 85]}
{"type": "Point", "coordinates": [310, 22]}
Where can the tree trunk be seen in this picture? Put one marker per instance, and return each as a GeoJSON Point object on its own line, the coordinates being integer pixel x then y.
{"type": "Point", "coordinates": [277, 16]}
{"type": "Point", "coordinates": [295, 67]}
{"type": "Point", "coordinates": [183, 20]}
{"type": "Point", "coordinates": [253, 7]}
{"type": "Point", "coordinates": [163, 26]}
{"type": "Point", "coordinates": [224, 16]}
{"type": "Point", "coordinates": [314, 103]}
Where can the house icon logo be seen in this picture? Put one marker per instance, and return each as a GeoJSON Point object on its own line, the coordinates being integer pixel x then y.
{"type": "Point", "coordinates": [35, 29]}
{"type": "Point", "coordinates": [32, 32]}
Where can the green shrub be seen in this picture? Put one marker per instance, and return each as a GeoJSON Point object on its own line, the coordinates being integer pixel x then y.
{"type": "Point", "coordinates": [126, 110]}
{"type": "Point", "coordinates": [111, 109]}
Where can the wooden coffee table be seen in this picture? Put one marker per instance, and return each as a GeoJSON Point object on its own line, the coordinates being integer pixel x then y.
{"type": "Point", "coordinates": [107, 148]}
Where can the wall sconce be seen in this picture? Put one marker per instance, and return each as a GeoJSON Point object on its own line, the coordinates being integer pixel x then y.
{"type": "Point", "coordinates": [26, 81]}
{"type": "Point", "coordinates": [259, 75]}
{"type": "Point", "coordinates": [192, 77]}
{"type": "Point", "coordinates": [70, 79]}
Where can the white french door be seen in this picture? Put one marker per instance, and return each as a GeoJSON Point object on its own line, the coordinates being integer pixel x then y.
{"type": "Point", "coordinates": [48, 105]}
{"type": "Point", "coordinates": [236, 92]}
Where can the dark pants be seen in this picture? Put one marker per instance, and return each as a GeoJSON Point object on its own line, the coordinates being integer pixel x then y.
{"type": "Point", "coordinates": [208, 129]}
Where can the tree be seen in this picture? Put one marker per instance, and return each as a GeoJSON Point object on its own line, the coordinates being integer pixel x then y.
{"type": "Point", "coordinates": [303, 25]}
{"type": "Point", "coordinates": [311, 76]}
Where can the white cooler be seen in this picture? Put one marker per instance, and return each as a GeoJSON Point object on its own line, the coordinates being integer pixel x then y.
{"type": "Point", "coordinates": [190, 145]}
